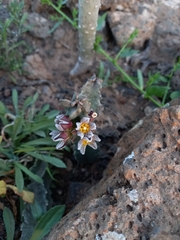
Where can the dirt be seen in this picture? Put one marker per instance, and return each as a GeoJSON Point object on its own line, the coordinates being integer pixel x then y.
{"type": "Point", "coordinates": [123, 106]}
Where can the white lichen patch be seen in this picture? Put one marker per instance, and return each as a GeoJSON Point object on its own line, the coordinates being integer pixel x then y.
{"type": "Point", "coordinates": [133, 195]}
{"type": "Point", "coordinates": [171, 3]}
{"type": "Point", "coordinates": [110, 235]}
{"type": "Point", "coordinates": [131, 156]}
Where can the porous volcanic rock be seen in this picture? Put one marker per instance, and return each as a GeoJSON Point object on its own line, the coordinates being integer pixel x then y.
{"type": "Point", "coordinates": [139, 195]}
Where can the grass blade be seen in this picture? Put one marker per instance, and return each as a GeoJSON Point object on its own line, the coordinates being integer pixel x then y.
{"type": "Point", "coordinates": [17, 127]}
{"type": "Point", "coordinates": [53, 160]}
{"type": "Point", "coordinates": [9, 223]}
{"type": "Point", "coordinates": [47, 221]}
{"type": "Point", "coordinates": [140, 79]}
{"type": "Point", "coordinates": [37, 142]}
{"type": "Point", "coordinates": [29, 173]}
{"type": "Point", "coordinates": [15, 101]}
{"type": "Point", "coordinates": [19, 180]}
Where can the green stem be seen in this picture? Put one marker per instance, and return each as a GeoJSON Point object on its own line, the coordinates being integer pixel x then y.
{"type": "Point", "coordinates": [114, 62]}
{"type": "Point", "coordinates": [131, 38]}
{"type": "Point", "coordinates": [63, 15]}
{"type": "Point", "coordinates": [166, 93]}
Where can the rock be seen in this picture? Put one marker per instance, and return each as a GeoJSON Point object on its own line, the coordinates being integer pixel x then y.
{"type": "Point", "coordinates": [139, 195]}
{"type": "Point", "coordinates": [35, 69]}
{"type": "Point", "coordinates": [123, 24]}
{"type": "Point", "coordinates": [38, 7]}
{"type": "Point", "coordinates": [166, 36]}
{"type": "Point", "coordinates": [165, 40]}
{"type": "Point", "coordinates": [175, 83]}
{"type": "Point", "coordinates": [39, 26]}
{"type": "Point", "coordinates": [105, 4]}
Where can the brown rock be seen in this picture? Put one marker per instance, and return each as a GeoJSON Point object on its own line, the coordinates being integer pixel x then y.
{"type": "Point", "coordinates": [141, 199]}
{"type": "Point", "coordinates": [123, 23]}
{"type": "Point", "coordinates": [39, 26]}
{"type": "Point", "coordinates": [35, 68]}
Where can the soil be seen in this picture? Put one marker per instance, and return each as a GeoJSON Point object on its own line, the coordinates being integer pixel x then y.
{"type": "Point", "coordinates": [123, 106]}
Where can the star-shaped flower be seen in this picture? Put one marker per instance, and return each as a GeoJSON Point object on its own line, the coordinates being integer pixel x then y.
{"type": "Point", "coordinates": [85, 127]}
{"type": "Point", "coordinates": [82, 144]}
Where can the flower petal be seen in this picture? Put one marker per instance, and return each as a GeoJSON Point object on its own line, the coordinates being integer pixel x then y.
{"type": "Point", "coordinates": [58, 126]}
{"type": "Point", "coordinates": [96, 138]}
{"type": "Point", "coordinates": [61, 144]}
{"type": "Point", "coordinates": [89, 135]}
{"type": "Point", "coordinates": [93, 144]}
{"type": "Point", "coordinates": [85, 120]}
{"type": "Point", "coordinates": [56, 135]}
{"type": "Point", "coordinates": [80, 134]}
{"type": "Point", "coordinates": [82, 149]}
{"type": "Point", "coordinates": [92, 126]}
{"type": "Point", "coordinates": [78, 125]}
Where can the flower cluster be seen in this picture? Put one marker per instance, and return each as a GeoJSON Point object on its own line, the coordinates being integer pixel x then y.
{"type": "Point", "coordinates": [63, 132]}
{"type": "Point", "coordinates": [67, 130]}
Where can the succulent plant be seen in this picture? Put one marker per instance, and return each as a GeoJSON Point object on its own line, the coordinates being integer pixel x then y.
{"type": "Point", "coordinates": [87, 23]}
{"type": "Point", "coordinates": [77, 124]}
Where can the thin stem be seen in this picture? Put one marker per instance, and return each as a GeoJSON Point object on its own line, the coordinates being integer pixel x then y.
{"type": "Point", "coordinates": [131, 38]}
{"type": "Point", "coordinates": [114, 62]}
{"type": "Point", "coordinates": [166, 93]}
{"type": "Point", "coordinates": [64, 15]}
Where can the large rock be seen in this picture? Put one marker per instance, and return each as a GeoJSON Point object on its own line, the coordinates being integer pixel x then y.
{"type": "Point", "coordinates": [123, 23]}
{"type": "Point", "coordinates": [149, 17]}
{"type": "Point", "coordinates": [139, 195]}
{"type": "Point", "coordinates": [164, 43]}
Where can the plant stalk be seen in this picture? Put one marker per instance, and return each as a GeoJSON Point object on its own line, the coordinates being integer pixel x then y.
{"type": "Point", "coordinates": [87, 24]}
{"type": "Point", "coordinates": [114, 62]}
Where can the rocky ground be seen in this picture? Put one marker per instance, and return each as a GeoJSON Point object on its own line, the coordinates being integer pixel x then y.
{"type": "Point", "coordinates": [138, 196]}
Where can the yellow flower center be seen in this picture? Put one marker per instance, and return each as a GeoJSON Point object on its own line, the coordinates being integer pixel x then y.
{"type": "Point", "coordinates": [84, 128]}
{"type": "Point", "coordinates": [84, 142]}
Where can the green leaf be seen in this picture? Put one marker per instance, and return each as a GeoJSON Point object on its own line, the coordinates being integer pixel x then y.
{"type": "Point", "coordinates": [40, 141]}
{"type": "Point", "coordinates": [174, 95]}
{"type": "Point", "coordinates": [56, 25]}
{"type": "Point", "coordinates": [15, 101]}
{"type": "Point", "coordinates": [9, 223]}
{"type": "Point", "coordinates": [40, 133]}
{"type": "Point", "coordinates": [36, 209]}
{"type": "Point", "coordinates": [52, 114]}
{"type": "Point", "coordinates": [155, 90]}
{"type": "Point", "coordinates": [42, 125]}
{"type": "Point", "coordinates": [2, 108]}
{"type": "Point", "coordinates": [19, 180]}
{"type": "Point", "coordinates": [43, 110]}
{"type": "Point", "coordinates": [29, 173]}
{"type": "Point", "coordinates": [30, 101]}
{"type": "Point", "coordinates": [101, 22]}
{"type": "Point", "coordinates": [17, 127]}
{"type": "Point", "coordinates": [53, 160]}
{"type": "Point", "coordinates": [5, 166]}
{"type": "Point", "coordinates": [156, 79]}
{"type": "Point", "coordinates": [47, 221]}
{"type": "Point", "coordinates": [140, 79]}
{"type": "Point", "coordinates": [32, 149]}
{"type": "Point", "coordinates": [6, 152]}
{"type": "Point", "coordinates": [128, 52]}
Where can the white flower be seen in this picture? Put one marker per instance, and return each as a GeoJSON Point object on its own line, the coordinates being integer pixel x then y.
{"type": "Point", "coordinates": [85, 127]}
{"type": "Point", "coordinates": [62, 122]}
{"type": "Point", "coordinates": [88, 141]}
{"type": "Point", "coordinates": [62, 137]}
